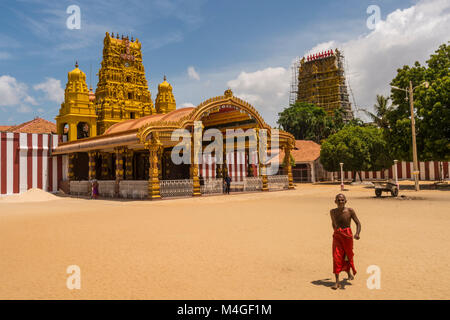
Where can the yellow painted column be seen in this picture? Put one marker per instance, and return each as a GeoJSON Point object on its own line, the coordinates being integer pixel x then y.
{"type": "Point", "coordinates": [72, 131]}
{"type": "Point", "coordinates": [262, 164]}
{"type": "Point", "coordinates": [71, 174]}
{"type": "Point", "coordinates": [287, 161]}
{"type": "Point", "coordinates": [119, 164]}
{"type": "Point", "coordinates": [129, 165]}
{"type": "Point", "coordinates": [93, 129]}
{"type": "Point", "coordinates": [119, 170]}
{"type": "Point", "coordinates": [196, 146]}
{"type": "Point", "coordinates": [153, 180]}
{"type": "Point", "coordinates": [92, 173]}
{"type": "Point", "coordinates": [105, 163]}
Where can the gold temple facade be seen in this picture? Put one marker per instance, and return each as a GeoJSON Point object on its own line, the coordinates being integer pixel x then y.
{"type": "Point", "coordinates": [321, 80]}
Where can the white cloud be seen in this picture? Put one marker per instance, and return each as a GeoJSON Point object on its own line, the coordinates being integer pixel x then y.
{"type": "Point", "coordinates": [5, 55]}
{"type": "Point", "coordinates": [52, 89]}
{"type": "Point", "coordinates": [266, 89]}
{"type": "Point", "coordinates": [188, 105]}
{"type": "Point", "coordinates": [405, 36]}
{"type": "Point", "coordinates": [14, 94]}
{"type": "Point", "coordinates": [24, 109]}
{"type": "Point", "coordinates": [192, 73]}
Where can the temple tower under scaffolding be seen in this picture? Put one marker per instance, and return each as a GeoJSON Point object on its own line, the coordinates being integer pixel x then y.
{"type": "Point", "coordinates": [321, 80]}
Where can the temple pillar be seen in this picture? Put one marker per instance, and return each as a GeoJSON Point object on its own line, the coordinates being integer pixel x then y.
{"type": "Point", "coordinates": [196, 149]}
{"type": "Point", "coordinates": [105, 162]}
{"type": "Point", "coordinates": [72, 131]}
{"type": "Point", "coordinates": [262, 146]}
{"type": "Point", "coordinates": [153, 180]}
{"type": "Point", "coordinates": [70, 172]}
{"type": "Point", "coordinates": [287, 161]}
{"type": "Point", "coordinates": [92, 173]}
{"type": "Point", "coordinates": [119, 169]}
{"type": "Point", "coordinates": [129, 165]}
{"type": "Point", "coordinates": [263, 173]}
{"type": "Point", "coordinates": [160, 156]}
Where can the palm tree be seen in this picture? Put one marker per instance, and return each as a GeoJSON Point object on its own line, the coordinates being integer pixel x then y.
{"type": "Point", "coordinates": [381, 110]}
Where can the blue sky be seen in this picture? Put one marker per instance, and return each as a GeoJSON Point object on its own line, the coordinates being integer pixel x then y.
{"type": "Point", "coordinates": [247, 45]}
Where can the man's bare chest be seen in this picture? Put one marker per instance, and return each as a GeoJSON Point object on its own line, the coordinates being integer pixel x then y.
{"type": "Point", "coordinates": [342, 217]}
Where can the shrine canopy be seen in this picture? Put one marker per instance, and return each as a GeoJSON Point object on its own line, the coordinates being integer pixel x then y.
{"type": "Point", "coordinates": [221, 112]}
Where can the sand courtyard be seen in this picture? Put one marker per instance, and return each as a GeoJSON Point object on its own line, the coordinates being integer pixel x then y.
{"type": "Point", "coordinates": [274, 245]}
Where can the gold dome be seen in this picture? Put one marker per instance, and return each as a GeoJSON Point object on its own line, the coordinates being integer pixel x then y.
{"type": "Point", "coordinates": [165, 101]}
{"type": "Point", "coordinates": [164, 86]}
{"type": "Point", "coordinates": [76, 74]}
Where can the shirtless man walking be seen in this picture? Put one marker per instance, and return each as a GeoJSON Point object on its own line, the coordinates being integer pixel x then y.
{"type": "Point", "coordinates": [341, 218]}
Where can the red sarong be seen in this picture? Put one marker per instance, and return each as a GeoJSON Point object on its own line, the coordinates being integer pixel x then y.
{"type": "Point", "coordinates": [343, 250]}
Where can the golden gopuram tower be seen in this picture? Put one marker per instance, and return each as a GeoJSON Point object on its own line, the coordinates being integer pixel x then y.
{"type": "Point", "coordinates": [122, 91]}
{"type": "Point", "coordinates": [77, 118]}
{"type": "Point", "coordinates": [321, 80]}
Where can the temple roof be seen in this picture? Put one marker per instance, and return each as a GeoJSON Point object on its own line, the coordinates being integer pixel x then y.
{"type": "Point", "coordinates": [135, 132]}
{"type": "Point", "coordinates": [135, 124]}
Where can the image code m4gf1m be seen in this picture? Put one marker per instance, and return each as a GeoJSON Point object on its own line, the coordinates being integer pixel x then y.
{"type": "Point", "coordinates": [246, 309]}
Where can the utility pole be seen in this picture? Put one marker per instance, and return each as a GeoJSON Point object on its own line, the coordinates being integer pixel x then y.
{"type": "Point", "coordinates": [413, 132]}
{"type": "Point", "coordinates": [410, 90]}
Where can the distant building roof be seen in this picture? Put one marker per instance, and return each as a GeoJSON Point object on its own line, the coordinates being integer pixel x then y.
{"type": "Point", "coordinates": [4, 128]}
{"type": "Point", "coordinates": [37, 125]}
{"type": "Point", "coordinates": [305, 151]}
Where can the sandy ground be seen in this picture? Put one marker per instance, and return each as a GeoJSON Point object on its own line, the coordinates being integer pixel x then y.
{"type": "Point", "coordinates": [273, 245]}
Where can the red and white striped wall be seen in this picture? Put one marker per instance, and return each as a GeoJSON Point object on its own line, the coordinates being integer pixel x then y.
{"type": "Point", "coordinates": [428, 171]}
{"type": "Point", "coordinates": [237, 163]}
{"type": "Point", "coordinates": [26, 162]}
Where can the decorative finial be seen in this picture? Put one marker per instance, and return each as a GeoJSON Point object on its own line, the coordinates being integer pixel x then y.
{"type": "Point", "coordinates": [112, 35]}
{"type": "Point", "coordinates": [165, 78]}
{"type": "Point", "coordinates": [132, 40]}
{"type": "Point", "coordinates": [76, 64]}
{"type": "Point", "coordinates": [228, 93]}
{"type": "Point", "coordinates": [117, 36]}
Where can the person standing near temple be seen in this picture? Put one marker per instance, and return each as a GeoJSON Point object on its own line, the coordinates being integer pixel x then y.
{"type": "Point", "coordinates": [94, 189]}
{"type": "Point", "coordinates": [227, 184]}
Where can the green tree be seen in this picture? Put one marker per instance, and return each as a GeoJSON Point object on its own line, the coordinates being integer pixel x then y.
{"type": "Point", "coordinates": [359, 148]}
{"type": "Point", "coordinates": [431, 109]}
{"type": "Point", "coordinates": [305, 121]}
{"type": "Point", "coordinates": [379, 118]}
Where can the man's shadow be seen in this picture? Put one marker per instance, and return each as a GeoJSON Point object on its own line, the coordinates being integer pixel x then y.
{"type": "Point", "coordinates": [329, 283]}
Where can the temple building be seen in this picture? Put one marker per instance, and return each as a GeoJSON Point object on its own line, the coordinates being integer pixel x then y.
{"type": "Point", "coordinates": [119, 138]}
{"type": "Point", "coordinates": [321, 80]}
